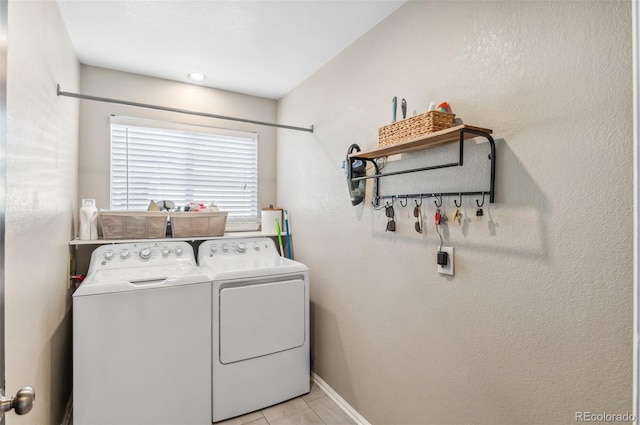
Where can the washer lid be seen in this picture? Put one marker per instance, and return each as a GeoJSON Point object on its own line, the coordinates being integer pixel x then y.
{"type": "Point", "coordinates": [140, 278]}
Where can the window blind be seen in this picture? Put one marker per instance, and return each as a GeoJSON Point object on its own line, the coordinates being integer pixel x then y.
{"type": "Point", "coordinates": [164, 161]}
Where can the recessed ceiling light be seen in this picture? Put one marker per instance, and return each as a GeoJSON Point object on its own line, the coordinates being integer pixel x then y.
{"type": "Point", "coordinates": [196, 76]}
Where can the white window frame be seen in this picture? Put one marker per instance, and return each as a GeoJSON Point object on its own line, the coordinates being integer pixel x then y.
{"type": "Point", "coordinates": [242, 204]}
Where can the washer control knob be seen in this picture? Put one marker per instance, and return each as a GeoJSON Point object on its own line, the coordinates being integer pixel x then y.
{"type": "Point", "coordinates": [214, 248]}
{"type": "Point", "coordinates": [166, 252]}
{"type": "Point", "coordinates": [241, 247]}
{"type": "Point", "coordinates": [145, 253]}
{"type": "Point", "coordinates": [225, 247]}
{"type": "Point", "coordinates": [256, 246]}
{"type": "Point", "coordinates": [108, 255]}
{"type": "Point", "coordinates": [124, 254]}
{"type": "Point", "coordinates": [179, 251]}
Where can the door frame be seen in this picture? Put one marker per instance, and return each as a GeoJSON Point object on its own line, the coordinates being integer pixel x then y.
{"type": "Point", "coordinates": [3, 149]}
{"type": "Point", "coordinates": [635, 8]}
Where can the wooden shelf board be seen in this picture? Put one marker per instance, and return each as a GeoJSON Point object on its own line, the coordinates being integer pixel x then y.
{"type": "Point", "coordinates": [448, 135]}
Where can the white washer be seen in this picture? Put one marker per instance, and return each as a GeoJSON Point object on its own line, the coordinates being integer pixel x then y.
{"type": "Point", "coordinates": [260, 325]}
{"type": "Point", "coordinates": [142, 337]}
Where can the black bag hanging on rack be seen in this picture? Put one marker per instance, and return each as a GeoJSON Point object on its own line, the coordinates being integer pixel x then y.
{"type": "Point", "coordinates": [355, 168]}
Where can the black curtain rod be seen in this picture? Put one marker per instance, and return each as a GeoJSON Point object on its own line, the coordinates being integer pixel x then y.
{"type": "Point", "coordinates": [180, 111]}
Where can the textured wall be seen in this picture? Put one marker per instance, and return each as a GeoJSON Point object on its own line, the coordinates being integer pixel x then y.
{"type": "Point", "coordinates": [536, 324]}
{"type": "Point", "coordinates": [42, 153]}
{"type": "Point", "coordinates": [95, 140]}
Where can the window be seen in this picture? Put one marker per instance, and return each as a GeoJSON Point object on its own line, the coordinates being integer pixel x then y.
{"type": "Point", "coordinates": [157, 161]}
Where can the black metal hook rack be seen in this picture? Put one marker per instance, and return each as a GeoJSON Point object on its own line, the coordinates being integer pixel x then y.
{"type": "Point", "coordinates": [451, 135]}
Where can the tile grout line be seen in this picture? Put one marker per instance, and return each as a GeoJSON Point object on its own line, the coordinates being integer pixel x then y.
{"type": "Point", "coordinates": [317, 414]}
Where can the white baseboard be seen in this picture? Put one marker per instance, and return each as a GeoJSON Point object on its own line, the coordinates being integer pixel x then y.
{"type": "Point", "coordinates": [339, 401]}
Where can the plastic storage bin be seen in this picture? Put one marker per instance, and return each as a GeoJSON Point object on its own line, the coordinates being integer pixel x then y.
{"type": "Point", "coordinates": [133, 224]}
{"type": "Point", "coordinates": [198, 224]}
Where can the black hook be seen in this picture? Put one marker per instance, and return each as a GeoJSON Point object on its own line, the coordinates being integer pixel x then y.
{"type": "Point", "coordinates": [406, 201]}
{"type": "Point", "coordinates": [375, 202]}
{"type": "Point", "coordinates": [456, 202]}
{"type": "Point", "coordinates": [436, 202]}
{"type": "Point", "coordinates": [420, 204]}
{"type": "Point", "coordinates": [478, 202]}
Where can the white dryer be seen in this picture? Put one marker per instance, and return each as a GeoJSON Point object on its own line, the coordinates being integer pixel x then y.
{"type": "Point", "coordinates": [260, 331]}
{"type": "Point", "coordinates": [142, 337]}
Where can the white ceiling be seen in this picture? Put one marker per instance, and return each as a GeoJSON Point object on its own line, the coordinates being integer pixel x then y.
{"type": "Point", "coordinates": [263, 48]}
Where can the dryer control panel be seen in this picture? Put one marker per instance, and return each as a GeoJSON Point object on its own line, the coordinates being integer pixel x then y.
{"type": "Point", "coordinates": [139, 254]}
{"type": "Point", "coordinates": [230, 248]}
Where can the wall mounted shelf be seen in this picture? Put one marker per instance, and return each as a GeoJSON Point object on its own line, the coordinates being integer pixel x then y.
{"type": "Point", "coordinates": [256, 234]}
{"type": "Point", "coordinates": [455, 134]}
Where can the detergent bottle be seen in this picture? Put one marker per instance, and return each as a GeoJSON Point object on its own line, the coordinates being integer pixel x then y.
{"type": "Point", "coordinates": [88, 220]}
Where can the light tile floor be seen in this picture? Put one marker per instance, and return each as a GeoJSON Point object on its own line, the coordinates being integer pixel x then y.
{"type": "Point", "coordinates": [314, 408]}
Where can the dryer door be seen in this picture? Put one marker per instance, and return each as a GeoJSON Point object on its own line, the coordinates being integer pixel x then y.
{"type": "Point", "coordinates": [261, 319]}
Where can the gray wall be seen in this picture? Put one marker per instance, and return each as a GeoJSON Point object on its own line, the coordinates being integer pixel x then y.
{"type": "Point", "coordinates": [42, 168]}
{"type": "Point", "coordinates": [536, 324]}
{"type": "Point", "coordinates": [95, 142]}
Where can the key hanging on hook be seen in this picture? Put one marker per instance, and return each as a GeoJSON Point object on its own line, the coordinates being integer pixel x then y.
{"type": "Point", "coordinates": [479, 211]}
{"type": "Point", "coordinates": [457, 215]}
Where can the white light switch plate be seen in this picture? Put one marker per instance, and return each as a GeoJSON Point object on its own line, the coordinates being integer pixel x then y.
{"type": "Point", "coordinates": [448, 269]}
